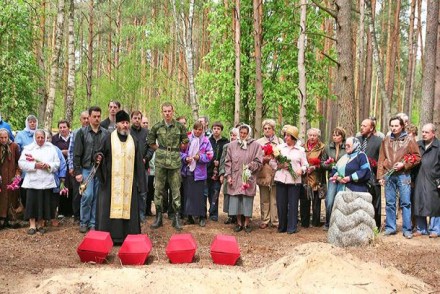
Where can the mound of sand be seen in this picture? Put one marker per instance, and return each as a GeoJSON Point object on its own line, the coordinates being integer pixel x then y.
{"type": "Point", "coordinates": [309, 268]}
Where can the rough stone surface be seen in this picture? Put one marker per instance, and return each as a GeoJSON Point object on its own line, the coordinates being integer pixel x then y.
{"type": "Point", "coordinates": [352, 220]}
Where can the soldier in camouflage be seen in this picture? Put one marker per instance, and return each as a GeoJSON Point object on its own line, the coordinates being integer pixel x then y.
{"type": "Point", "coordinates": [166, 138]}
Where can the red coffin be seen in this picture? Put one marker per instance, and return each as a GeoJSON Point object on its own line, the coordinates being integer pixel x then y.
{"type": "Point", "coordinates": [95, 247]}
{"type": "Point", "coordinates": [225, 250]}
{"type": "Point", "coordinates": [135, 249]}
{"type": "Point", "coordinates": [181, 248]}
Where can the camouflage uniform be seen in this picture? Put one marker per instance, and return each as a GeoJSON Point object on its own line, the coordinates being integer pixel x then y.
{"type": "Point", "coordinates": [167, 162]}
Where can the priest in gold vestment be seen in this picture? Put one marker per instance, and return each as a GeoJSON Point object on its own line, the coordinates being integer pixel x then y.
{"type": "Point", "coordinates": [122, 182]}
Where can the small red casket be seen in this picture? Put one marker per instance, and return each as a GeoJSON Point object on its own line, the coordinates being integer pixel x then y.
{"type": "Point", "coordinates": [225, 250]}
{"type": "Point", "coordinates": [135, 249]}
{"type": "Point", "coordinates": [181, 248]}
{"type": "Point", "coordinates": [95, 247]}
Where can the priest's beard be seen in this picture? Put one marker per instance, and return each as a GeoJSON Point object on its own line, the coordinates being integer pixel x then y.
{"type": "Point", "coordinates": [123, 132]}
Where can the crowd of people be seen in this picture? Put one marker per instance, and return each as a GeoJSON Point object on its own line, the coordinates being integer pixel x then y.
{"type": "Point", "coordinates": [106, 174]}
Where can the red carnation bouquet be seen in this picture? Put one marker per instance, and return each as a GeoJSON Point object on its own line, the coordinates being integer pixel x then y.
{"type": "Point", "coordinates": [372, 162]}
{"type": "Point", "coordinates": [314, 161]}
{"type": "Point", "coordinates": [267, 149]}
{"type": "Point", "coordinates": [411, 158]}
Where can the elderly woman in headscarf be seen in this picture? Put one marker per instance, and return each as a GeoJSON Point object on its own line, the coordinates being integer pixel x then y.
{"type": "Point", "coordinates": [352, 172]}
{"type": "Point", "coordinates": [40, 161]}
{"type": "Point", "coordinates": [9, 154]}
{"type": "Point", "coordinates": [194, 172]}
{"type": "Point", "coordinates": [232, 219]}
{"type": "Point", "coordinates": [26, 136]}
{"type": "Point", "coordinates": [243, 160]}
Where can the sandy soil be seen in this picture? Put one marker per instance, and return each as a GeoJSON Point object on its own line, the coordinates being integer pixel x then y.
{"type": "Point", "coordinates": [270, 262]}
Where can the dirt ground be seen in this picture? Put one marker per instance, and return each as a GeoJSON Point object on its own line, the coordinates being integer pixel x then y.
{"type": "Point", "coordinates": [302, 262]}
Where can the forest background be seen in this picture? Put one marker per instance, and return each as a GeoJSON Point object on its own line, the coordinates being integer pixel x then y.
{"type": "Point", "coordinates": [318, 63]}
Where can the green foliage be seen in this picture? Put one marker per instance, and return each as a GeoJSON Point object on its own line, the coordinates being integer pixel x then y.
{"type": "Point", "coordinates": [18, 70]}
{"type": "Point", "coordinates": [279, 64]}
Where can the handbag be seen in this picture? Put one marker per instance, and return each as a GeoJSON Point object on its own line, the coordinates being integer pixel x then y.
{"type": "Point", "coordinates": [322, 191]}
{"type": "Point", "coordinates": [16, 213]}
{"type": "Point", "coordinates": [308, 192]}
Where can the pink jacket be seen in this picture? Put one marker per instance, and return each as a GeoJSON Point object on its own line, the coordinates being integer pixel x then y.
{"type": "Point", "coordinates": [236, 157]}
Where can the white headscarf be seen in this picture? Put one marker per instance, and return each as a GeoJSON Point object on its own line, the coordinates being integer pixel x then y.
{"type": "Point", "coordinates": [244, 143]}
{"type": "Point", "coordinates": [27, 129]}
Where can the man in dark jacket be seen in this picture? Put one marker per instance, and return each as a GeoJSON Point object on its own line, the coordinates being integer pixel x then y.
{"type": "Point", "coordinates": [427, 187]}
{"type": "Point", "coordinates": [217, 143]}
{"type": "Point", "coordinates": [370, 145]}
{"type": "Point", "coordinates": [110, 122]}
{"type": "Point", "coordinates": [87, 142]}
{"type": "Point", "coordinates": [138, 132]}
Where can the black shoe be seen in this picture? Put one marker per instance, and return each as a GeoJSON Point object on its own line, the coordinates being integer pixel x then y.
{"type": "Point", "coordinates": [158, 222]}
{"type": "Point", "coordinates": [202, 222]}
{"type": "Point", "coordinates": [238, 228]}
{"type": "Point", "coordinates": [176, 222]}
{"type": "Point", "coordinates": [228, 221]}
{"type": "Point", "coordinates": [190, 220]}
{"type": "Point", "coordinates": [171, 215]}
{"type": "Point", "coordinates": [248, 228]}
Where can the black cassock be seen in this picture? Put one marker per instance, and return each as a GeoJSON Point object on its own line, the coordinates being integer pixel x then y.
{"type": "Point", "coordinates": [118, 228]}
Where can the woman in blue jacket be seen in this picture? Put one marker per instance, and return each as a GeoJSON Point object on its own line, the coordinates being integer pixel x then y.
{"type": "Point", "coordinates": [352, 171]}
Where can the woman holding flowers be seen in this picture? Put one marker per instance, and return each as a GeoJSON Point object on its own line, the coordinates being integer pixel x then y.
{"type": "Point", "coordinates": [334, 151]}
{"type": "Point", "coordinates": [195, 160]}
{"type": "Point", "coordinates": [351, 172]}
{"type": "Point", "coordinates": [9, 154]}
{"type": "Point", "coordinates": [268, 202]}
{"type": "Point", "coordinates": [315, 178]}
{"type": "Point", "coordinates": [40, 161]}
{"type": "Point", "coordinates": [244, 159]}
{"type": "Point", "coordinates": [291, 164]}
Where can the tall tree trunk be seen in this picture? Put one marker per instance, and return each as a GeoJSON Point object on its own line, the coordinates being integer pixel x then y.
{"type": "Point", "coordinates": [428, 84]}
{"type": "Point", "coordinates": [368, 69]}
{"type": "Point", "coordinates": [409, 81]}
{"type": "Point", "coordinates": [302, 82]}
{"type": "Point", "coordinates": [380, 86]}
{"type": "Point", "coordinates": [118, 33]}
{"type": "Point", "coordinates": [48, 116]}
{"type": "Point", "coordinates": [258, 36]}
{"type": "Point", "coordinates": [436, 116]}
{"type": "Point", "coordinates": [237, 19]}
{"type": "Point", "coordinates": [345, 70]}
{"type": "Point", "coordinates": [363, 107]}
{"type": "Point", "coordinates": [187, 40]}
{"type": "Point", "coordinates": [392, 53]}
{"type": "Point", "coordinates": [90, 52]}
{"type": "Point", "coordinates": [39, 49]}
{"type": "Point", "coordinates": [71, 68]}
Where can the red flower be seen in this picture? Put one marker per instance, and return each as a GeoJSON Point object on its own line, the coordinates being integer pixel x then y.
{"type": "Point", "coordinates": [268, 150]}
{"type": "Point", "coordinates": [314, 161]}
{"type": "Point", "coordinates": [411, 158]}
{"type": "Point", "coordinates": [372, 161]}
